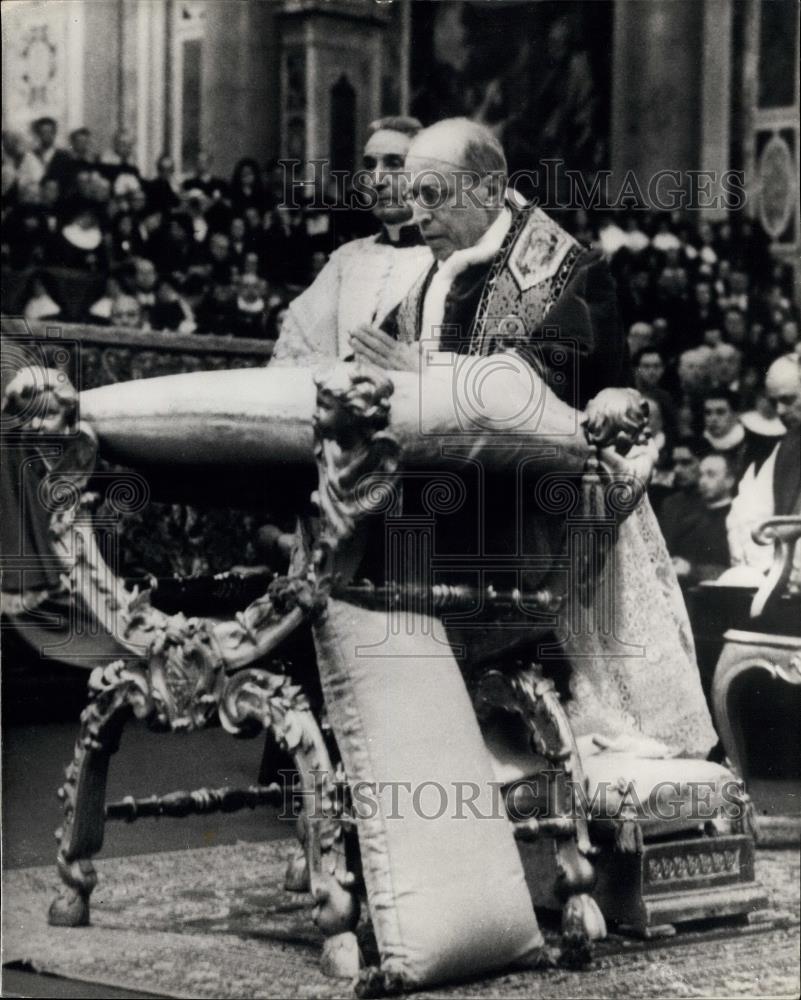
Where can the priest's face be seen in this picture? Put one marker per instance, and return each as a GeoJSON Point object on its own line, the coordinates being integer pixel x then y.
{"type": "Point", "coordinates": [783, 386]}
{"type": "Point", "coordinates": [715, 481]}
{"type": "Point", "coordinates": [452, 206]}
{"type": "Point", "coordinates": [384, 158]}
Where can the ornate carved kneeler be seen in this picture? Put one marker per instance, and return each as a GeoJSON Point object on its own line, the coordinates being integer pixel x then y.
{"type": "Point", "coordinates": [182, 671]}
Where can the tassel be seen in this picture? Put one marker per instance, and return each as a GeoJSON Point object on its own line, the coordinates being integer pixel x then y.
{"type": "Point", "coordinates": [628, 837]}
{"type": "Point", "coordinates": [374, 982]}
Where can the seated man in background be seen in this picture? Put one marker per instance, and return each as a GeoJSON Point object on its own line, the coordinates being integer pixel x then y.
{"type": "Point", "coordinates": [682, 500]}
{"type": "Point", "coordinates": [697, 541]}
{"type": "Point", "coordinates": [126, 312]}
{"type": "Point", "coordinates": [648, 366]}
{"type": "Point", "coordinates": [772, 487]}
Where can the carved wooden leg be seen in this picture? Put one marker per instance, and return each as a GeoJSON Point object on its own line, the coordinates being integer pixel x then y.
{"type": "Point", "coordinates": [297, 869]}
{"type": "Point", "coordinates": [84, 798]}
{"type": "Point", "coordinates": [336, 902]}
{"type": "Point", "coordinates": [582, 920]}
{"type": "Point", "coordinates": [273, 701]}
{"type": "Point", "coordinates": [524, 692]}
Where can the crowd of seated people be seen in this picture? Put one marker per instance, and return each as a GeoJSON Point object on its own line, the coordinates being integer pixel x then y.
{"type": "Point", "coordinates": [707, 307]}
{"type": "Point", "coordinates": [709, 312]}
{"type": "Point", "coordinates": [201, 254]}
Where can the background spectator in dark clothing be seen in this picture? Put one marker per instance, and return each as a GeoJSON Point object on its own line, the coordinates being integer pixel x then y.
{"type": "Point", "coordinates": [219, 264]}
{"type": "Point", "coordinates": [119, 167]}
{"type": "Point", "coordinates": [163, 191]}
{"type": "Point", "coordinates": [648, 367]}
{"type": "Point", "coordinates": [45, 159]}
{"type": "Point", "coordinates": [215, 188]}
{"type": "Point", "coordinates": [172, 248]}
{"type": "Point", "coordinates": [126, 239]}
{"type": "Point", "coordinates": [249, 313]}
{"type": "Point", "coordinates": [698, 541]}
{"type": "Point", "coordinates": [704, 313]}
{"type": "Point", "coordinates": [83, 157]}
{"type": "Point", "coordinates": [80, 244]}
{"type": "Point", "coordinates": [680, 500]}
{"type": "Point", "coordinates": [170, 311]}
{"type": "Point", "coordinates": [246, 187]}
{"type": "Point", "coordinates": [214, 314]}
{"type": "Point", "coordinates": [143, 285]}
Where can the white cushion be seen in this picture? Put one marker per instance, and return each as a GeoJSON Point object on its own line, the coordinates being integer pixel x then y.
{"type": "Point", "coordinates": [447, 893]}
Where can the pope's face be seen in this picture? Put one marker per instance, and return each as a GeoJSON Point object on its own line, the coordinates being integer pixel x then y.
{"type": "Point", "coordinates": [450, 204]}
{"type": "Point", "coordinates": [384, 158]}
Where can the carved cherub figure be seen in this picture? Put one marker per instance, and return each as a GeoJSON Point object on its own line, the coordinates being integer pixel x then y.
{"type": "Point", "coordinates": [355, 454]}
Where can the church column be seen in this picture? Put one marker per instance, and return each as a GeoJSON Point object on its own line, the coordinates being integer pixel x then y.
{"type": "Point", "coordinates": [128, 72]}
{"type": "Point", "coordinates": [240, 82]}
{"type": "Point", "coordinates": [657, 62]}
{"type": "Point", "coordinates": [772, 152]}
{"type": "Point", "coordinates": [405, 55]}
{"type": "Point", "coordinates": [716, 100]}
{"type": "Point", "coordinates": [151, 27]}
{"type": "Point", "coordinates": [331, 74]}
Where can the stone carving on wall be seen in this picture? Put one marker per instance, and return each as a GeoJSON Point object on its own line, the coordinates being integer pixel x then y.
{"type": "Point", "coordinates": [778, 181]}
{"type": "Point", "coordinates": [39, 40]}
{"type": "Point", "coordinates": [38, 59]}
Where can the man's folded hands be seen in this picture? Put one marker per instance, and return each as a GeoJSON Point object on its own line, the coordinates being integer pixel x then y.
{"type": "Point", "coordinates": [373, 346]}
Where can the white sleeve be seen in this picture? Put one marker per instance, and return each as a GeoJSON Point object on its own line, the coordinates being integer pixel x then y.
{"type": "Point", "coordinates": [309, 331]}
{"type": "Point", "coordinates": [752, 505]}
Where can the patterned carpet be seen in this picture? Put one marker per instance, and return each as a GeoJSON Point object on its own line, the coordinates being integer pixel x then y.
{"type": "Point", "coordinates": [214, 923]}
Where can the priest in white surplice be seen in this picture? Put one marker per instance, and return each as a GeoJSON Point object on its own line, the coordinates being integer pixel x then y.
{"type": "Point", "coordinates": [364, 280]}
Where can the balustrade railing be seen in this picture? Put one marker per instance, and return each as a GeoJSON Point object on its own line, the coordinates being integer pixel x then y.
{"type": "Point", "coordinates": [99, 355]}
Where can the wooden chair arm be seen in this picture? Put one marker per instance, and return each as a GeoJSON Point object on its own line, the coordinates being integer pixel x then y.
{"type": "Point", "coordinates": [784, 532]}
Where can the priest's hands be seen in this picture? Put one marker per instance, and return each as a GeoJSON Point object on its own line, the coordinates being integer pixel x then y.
{"type": "Point", "coordinates": [375, 347]}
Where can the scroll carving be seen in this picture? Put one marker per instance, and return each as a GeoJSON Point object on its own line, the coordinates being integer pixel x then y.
{"type": "Point", "coordinates": [523, 691]}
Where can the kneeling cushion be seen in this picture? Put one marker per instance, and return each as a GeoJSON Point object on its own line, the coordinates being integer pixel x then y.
{"type": "Point", "coordinates": [445, 884]}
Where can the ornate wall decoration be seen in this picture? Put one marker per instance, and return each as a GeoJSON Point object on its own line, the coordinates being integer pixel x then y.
{"type": "Point", "coordinates": [38, 56]}
{"type": "Point", "coordinates": [40, 41]}
{"type": "Point", "coordinates": [778, 183]}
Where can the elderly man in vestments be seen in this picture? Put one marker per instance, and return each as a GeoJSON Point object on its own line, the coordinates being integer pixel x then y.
{"type": "Point", "coordinates": [512, 294]}
{"type": "Point", "coordinates": [509, 280]}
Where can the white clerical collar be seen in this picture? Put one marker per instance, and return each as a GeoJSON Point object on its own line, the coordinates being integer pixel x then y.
{"type": "Point", "coordinates": [250, 307]}
{"type": "Point", "coordinates": [84, 239]}
{"type": "Point", "coordinates": [727, 441]}
{"type": "Point", "coordinates": [480, 253]}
